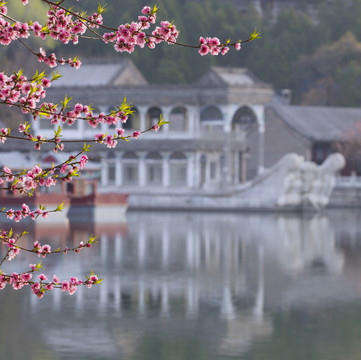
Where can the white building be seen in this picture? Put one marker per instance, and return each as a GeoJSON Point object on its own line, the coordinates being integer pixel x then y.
{"type": "Point", "coordinates": [203, 147]}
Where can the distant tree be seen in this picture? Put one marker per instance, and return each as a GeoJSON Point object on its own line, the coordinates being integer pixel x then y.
{"type": "Point", "coordinates": [332, 75]}
{"type": "Point", "coordinates": [337, 17]}
{"type": "Point", "coordinates": [283, 44]}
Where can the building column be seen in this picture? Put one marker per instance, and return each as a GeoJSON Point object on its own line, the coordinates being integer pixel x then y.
{"type": "Point", "coordinates": [193, 120]}
{"type": "Point", "coordinates": [236, 160]}
{"type": "Point", "coordinates": [261, 149]}
{"type": "Point", "coordinates": [197, 169]}
{"type": "Point", "coordinates": [165, 170]}
{"type": "Point", "coordinates": [190, 170]}
{"type": "Point", "coordinates": [142, 171]}
{"type": "Point", "coordinates": [226, 176]}
{"type": "Point", "coordinates": [259, 111]}
{"type": "Point", "coordinates": [142, 110]}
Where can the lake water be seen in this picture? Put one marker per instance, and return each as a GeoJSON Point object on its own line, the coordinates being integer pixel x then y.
{"type": "Point", "coordinates": [194, 286]}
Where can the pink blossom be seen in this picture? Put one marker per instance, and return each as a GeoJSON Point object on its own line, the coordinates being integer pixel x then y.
{"type": "Point", "coordinates": [120, 132]}
{"type": "Point", "coordinates": [42, 277]}
{"type": "Point", "coordinates": [83, 161]}
{"type": "Point", "coordinates": [203, 50]}
{"type": "Point", "coordinates": [65, 286]}
{"type": "Point", "coordinates": [237, 46]}
{"type": "Point", "coordinates": [26, 277]}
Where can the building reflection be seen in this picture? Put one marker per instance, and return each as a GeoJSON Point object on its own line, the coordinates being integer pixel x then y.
{"type": "Point", "coordinates": [232, 270]}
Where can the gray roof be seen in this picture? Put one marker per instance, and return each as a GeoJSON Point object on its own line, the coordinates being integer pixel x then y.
{"type": "Point", "coordinates": [320, 123]}
{"type": "Point", "coordinates": [100, 73]}
{"type": "Point", "coordinates": [16, 160]}
{"type": "Point", "coordinates": [229, 76]}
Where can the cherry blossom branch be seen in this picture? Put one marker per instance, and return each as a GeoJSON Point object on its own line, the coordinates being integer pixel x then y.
{"type": "Point", "coordinates": [39, 288]}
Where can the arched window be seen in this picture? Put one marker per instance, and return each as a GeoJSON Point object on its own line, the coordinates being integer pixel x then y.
{"type": "Point", "coordinates": [244, 119]}
{"type": "Point", "coordinates": [152, 117]}
{"type": "Point", "coordinates": [211, 113]}
{"type": "Point", "coordinates": [178, 119]}
{"type": "Point", "coordinates": [133, 122]}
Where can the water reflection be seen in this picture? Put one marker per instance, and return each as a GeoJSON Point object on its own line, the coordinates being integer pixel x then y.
{"type": "Point", "coordinates": [190, 285]}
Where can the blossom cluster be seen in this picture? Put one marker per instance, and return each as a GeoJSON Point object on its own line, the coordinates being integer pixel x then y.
{"type": "Point", "coordinates": [11, 31]}
{"type": "Point", "coordinates": [67, 26]}
{"type": "Point", "coordinates": [213, 46]}
{"type": "Point", "coordinates": [8, 239]}
{"type": "Point", "coordinates": [17, 90]}
{"type": "Point", "coordinates": [25, 211]}
{"type": "Point", "coordinates": [29, 181]}
{"type": "Point", "coordinates": [18, 281]}
{"type": "Point", "coordinates": [128, 36]}
{"type": "Point", "coordinates": [52, 60]}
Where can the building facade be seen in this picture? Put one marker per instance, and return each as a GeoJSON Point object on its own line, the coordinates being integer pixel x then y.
{"type": "Point", "coordinates": [203, 147]}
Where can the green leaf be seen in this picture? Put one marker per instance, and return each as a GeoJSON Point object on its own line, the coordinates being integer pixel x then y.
{"type": "Point", "coordinates": [155, 10]}
{"type": "Point", "coordinates": [91, 239]}
{"type": "Point", "coordinates": [101, 9]}
{"type": "Point", "coordinates": [65, 102]}
{"type": "Point", "coordinates": [57, 133]}
{"type": "Point", "coordinates": [56, 75]}
{"type": "Point", "coordinates": [162, 122]}
{"type": "Point", "coordinates": [42, 207]}
{"type": "Point", "coordinates": [19, 73]}
{"type": "Point", "coordinates": [60, 207]}
{"type": "Point", "coordinates": [255, 35]}
{"type": "Point", "coordinates": [87, 147]}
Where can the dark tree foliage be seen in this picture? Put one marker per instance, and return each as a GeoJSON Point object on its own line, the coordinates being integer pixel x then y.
{"type": "Point", "coordinates": [289, 42]}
